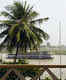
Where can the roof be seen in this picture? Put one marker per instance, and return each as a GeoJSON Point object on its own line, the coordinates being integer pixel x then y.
{"type": "Point", "coordinates": [33, 55]}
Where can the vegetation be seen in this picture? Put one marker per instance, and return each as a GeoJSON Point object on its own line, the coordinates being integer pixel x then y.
{"type": "Point", "coordinates": [20, 61]}
{"type": "Point", "coordinates": [47, 78]}
{"type": "Point", "coordinates": [21, 31]}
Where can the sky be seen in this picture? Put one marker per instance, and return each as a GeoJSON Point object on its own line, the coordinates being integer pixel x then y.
{"type": "Point", "coordinates": [55, 10]}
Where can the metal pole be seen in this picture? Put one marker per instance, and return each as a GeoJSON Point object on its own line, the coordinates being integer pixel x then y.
{"type": "Point", "coordinates": [60, 48]}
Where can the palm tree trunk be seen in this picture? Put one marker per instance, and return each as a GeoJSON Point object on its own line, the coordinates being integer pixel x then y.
{"type": "Point", "coordinates": [16, 54]}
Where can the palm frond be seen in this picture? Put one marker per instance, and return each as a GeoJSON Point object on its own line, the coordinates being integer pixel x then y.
{"type": "Point", "coordinates": [39, 20]}
{"type": "Point", "coordinates": [3, 33]}
{"type": "Point", "coordinates": [8, 15]}
{"type": "Point", "coordinates": [13, 30]}
{"type": "Point", "coordinates": [2, 27]}
{"type": "Point", "coordinates": [4, 40]}
{"type": "Point", "coordinates": [33, 14]}
{"type": "Point", "coordinates": [40, 32]}
{"type": "Point", "coordinates": [28, 11]}
{"type": "Point", "coordinates": [31, 34]}
{"type": "Point", "coordinates": [7, 22]}
{"type": "Point", "coordinates": [25, 5]}
{"type": "Point", "coordinates": [18, 36]}
{"type": "Point", "coordinates": [18, 10]}
{"type": "Point", "coordinates": [46, 36]}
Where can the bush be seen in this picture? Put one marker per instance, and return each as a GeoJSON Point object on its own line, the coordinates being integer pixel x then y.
{"type": "Point", "coordinates": [20, 61]}
{"type": "Point", "coordinates": [47, 78]}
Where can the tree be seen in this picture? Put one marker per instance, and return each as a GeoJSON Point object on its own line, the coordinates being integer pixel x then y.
{"type": "Point", "coordinates": [21, 31]}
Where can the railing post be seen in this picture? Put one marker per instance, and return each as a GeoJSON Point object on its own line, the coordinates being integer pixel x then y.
{"type": "Point", "coordinates": [53, 76]}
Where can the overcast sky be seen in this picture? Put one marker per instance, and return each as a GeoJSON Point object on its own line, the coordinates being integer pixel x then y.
{"type": "Point", "coordinates": [55, 10]}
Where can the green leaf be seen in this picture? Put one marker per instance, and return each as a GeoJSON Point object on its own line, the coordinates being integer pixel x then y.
{"type": "Point", "coordinates": [39, 20]}
{"type": "Point", "coordinates": [18, 36]}
{"type": "Point", "coordinates": [11, 31]}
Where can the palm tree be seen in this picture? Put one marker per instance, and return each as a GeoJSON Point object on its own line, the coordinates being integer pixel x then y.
{"type": "Point", "coordinates": [21, 31]}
